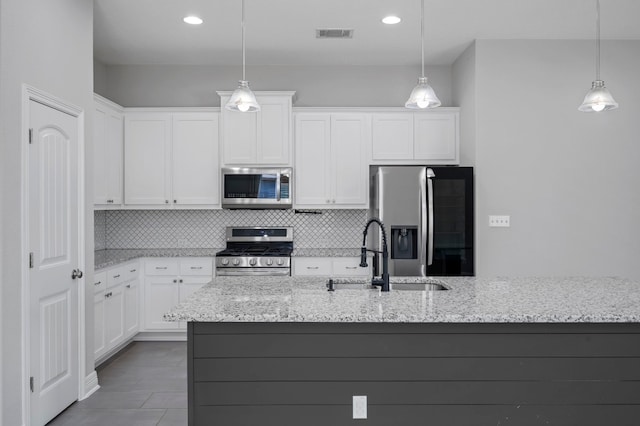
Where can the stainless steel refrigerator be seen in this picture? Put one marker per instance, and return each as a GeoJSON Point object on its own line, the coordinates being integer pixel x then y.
{"type": "Point", "coordinates": [428, 216]}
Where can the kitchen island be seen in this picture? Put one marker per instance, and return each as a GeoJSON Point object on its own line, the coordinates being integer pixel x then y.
{"type": "Point", "coordinates": [528, 351]}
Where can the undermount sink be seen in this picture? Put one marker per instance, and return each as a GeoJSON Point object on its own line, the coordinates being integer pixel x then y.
{"type": "Point", "coordinates": [396, 283]}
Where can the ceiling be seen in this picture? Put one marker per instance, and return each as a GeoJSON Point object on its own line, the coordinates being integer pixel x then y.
{"type": "Point", "coordinates": [282, 32]}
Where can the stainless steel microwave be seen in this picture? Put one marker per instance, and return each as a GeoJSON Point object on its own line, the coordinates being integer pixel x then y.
{"type": "Point", "coordinates": [257, 188]}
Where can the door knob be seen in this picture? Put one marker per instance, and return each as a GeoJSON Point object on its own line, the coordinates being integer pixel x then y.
{"type": "Point", "coordinates": [77, 273]}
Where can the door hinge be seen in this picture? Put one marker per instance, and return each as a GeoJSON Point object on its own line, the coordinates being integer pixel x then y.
{"type": "Point", "coordinates": [31, 260]}
{"type": "Point", "coordinates": [31, 383]}
{"type": "Point", "coordinates": [30, 135]}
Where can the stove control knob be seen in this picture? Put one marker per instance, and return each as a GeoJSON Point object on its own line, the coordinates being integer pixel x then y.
{"type": "Point", "coordinates": [225, 261]}
{"type": "Point", "coordinates": [236, 262]}
{"type": "Point", "coordinates": [279, 261]}
{"type": "Point", "coordinates": [269, 262]}
{"type": "Point", "coordinates": [253, 261]}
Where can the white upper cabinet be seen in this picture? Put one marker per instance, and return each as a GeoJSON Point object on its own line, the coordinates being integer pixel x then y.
{"type": "Point", "coordinates": [257, 138]}
{"type": "Point", "coordinates": [146, 158]}
{"type": "Point", "coordinates": [196, 176]}
{"type": "Point", "coordinates": [171, 158]}
{"type": "Point", "coordinates": [331, 160]}
{"type": "Point", "coordinates": [429, 137]}
{"type": "Point", "coordinates": [108, 138]}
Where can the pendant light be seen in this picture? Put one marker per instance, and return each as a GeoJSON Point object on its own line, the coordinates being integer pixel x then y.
{"type": "Point", "coordinates": [422, 96]}
{"type": "Point", "coordinates": [243, 99]}
{"type": "Point", "coordinates": [598, 98]}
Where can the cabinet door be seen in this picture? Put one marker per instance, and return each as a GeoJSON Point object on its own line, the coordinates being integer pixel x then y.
{"type": "Point", "coordinates": [195, 169]}
{"type": "Point", "coordinates": [312, 140]}
{"type": "Point", "coordinates": [131, 307]}
{"type": "Point", "coordinates": [349, 171]}
{"type": "Point", "coordinates": [392, 136]}
{"type": "Point", "coordinates": [114, 316]}
{"type": "Point", "coordinates": [436, 137]}
{"type": "Point", "coordinates": [188, 286]}
{"type": "Point", "coordinates": [160, 295]}
{"type": "Point", "coordinates": [99, 346]}
{"type": "Point", "coordinates": [114, 156]}
{"type": "Point", "coordinates": [239, 136]}
{"type": "Point", "coordinates": [274, 123]}
{"type": "Point", "coordinates": [100, 154]}
{"type": "Point", "coordinates": [147, 154]}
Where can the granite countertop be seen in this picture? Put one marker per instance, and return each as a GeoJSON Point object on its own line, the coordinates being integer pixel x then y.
{"type": "Point", "coordinates": [518, 300]}
{"type": "Point", "coordinates": [110, 257]}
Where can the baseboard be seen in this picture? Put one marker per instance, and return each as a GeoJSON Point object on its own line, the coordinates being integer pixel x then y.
{"type": "Point", "coordinates": [161, 336]}
{"type": "Point", "coordinates": [90, 383]}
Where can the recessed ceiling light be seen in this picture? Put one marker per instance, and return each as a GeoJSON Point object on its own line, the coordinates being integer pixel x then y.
{"type": "Point", "coordinates": [391, 19]}
{"type": "Point", "coordinates": [193, 20]}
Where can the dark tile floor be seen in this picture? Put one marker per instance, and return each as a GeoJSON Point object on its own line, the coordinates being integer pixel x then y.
{"type": "Point", "coordinates": [143, 385]}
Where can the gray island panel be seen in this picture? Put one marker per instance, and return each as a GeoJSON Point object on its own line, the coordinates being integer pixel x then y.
{"type": "Point", "coordinates": [414, 373]}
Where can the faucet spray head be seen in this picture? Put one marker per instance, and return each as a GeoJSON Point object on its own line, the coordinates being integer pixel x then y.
{"type": "Point", "coordinates": [363, 257]}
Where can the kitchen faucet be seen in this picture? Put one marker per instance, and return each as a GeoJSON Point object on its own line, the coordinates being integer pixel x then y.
{"type": "Point", "coordinates": [383, 282]}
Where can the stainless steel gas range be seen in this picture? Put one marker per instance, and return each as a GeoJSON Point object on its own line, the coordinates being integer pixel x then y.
{"type": "Point", "coordinates": [256, 251]}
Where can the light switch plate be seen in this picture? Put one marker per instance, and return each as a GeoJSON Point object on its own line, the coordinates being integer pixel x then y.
{"type": "Point", "coordinates": [359, 406]}
{"type": "Point", "coordinates": [499, 221]}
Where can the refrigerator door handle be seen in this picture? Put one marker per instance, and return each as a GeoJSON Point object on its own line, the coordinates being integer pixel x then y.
{"type": "Point", "coordinates": [430, 176]}
{"type": "Point", "coordinates": [423, 223]}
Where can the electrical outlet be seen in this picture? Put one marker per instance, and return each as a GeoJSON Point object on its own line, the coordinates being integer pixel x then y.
{"type": "Point", "coordinates": [359, 406]}
{"type": "Point", "coordinates": [500, 221]}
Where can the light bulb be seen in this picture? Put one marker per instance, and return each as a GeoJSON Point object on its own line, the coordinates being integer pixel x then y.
{"type": "Point", "coordinates": [598, 107]}
{"type": "Point", "coordinates": [423, 103]}
{"type": "Point", "coordinates": [243, 107]}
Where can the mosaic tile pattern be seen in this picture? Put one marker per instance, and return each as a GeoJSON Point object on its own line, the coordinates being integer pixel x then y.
{"type": "Point", "coordinates": [147, 229]}
{"type": "Point", "coordinates": [100, 229]}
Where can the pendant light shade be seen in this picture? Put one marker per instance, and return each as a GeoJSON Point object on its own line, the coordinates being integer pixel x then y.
{"type": "Point", "coordinates": [243, 99]}
{"type": "Point", "coordinates": [422, 96]}
{"type": "Point", "coordinates": [598, 98]}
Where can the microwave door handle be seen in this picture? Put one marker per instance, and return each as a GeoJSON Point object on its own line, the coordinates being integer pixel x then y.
{"type": "Point", "coordinates": [278, 186]}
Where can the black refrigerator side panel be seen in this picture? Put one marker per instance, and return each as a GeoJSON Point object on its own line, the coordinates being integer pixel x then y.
{"type": "Point", "coordinates": [453, 215]}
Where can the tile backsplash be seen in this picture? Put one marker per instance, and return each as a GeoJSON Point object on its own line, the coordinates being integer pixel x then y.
{"type": "Point", "coordinates": [124, 229]}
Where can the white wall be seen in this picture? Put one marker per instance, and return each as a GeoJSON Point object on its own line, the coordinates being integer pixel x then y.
{"type": "Point", "coordinates": [464, 96]}
{"type": "Point", "coordinates": [568, 179]}
{"type": "Point", "coordinates": [48, 45]}
{"type": "Point", "coordinates": [176, 85]}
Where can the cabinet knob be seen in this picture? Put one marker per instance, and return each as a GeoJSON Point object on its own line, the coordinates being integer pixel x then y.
{"type": "Point", "coordinates": [166, 201]}
{"type": "Point", "coordinates": [181, 281]}
{"type": "Point", "coordinates": [175, 201]}
{"type": "Point", "coordinates": [98, 283]}
{"type": "Point", "coordinates": [175, 281]}
{"type": "Point", "coordinates": [128, 285]}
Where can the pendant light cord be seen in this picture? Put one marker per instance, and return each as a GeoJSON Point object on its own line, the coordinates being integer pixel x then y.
{"type": "Point", "coordinates": [421, 34]}
{"type": "Point", "coordinates": [244, 78]}
{"type": "Point", "coordinates": [597, 39]}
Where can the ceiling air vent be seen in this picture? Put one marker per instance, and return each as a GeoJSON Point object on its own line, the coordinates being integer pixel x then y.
{"type": "Point", "coordinates": [334, 33]}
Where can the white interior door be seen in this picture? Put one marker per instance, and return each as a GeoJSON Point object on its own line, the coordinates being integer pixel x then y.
{"type": "Point", "coordinates": [53, 240]}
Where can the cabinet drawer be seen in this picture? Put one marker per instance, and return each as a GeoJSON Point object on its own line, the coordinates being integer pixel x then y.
{"type": "Point", "coordinates": [116, 276]}
{"type": "Point", "coordinates": [196, 267]}
{"type": "Point", "coordinates": [311, 266]}
{"type": "Point", "coordinates": [348, 266]}
{"type": "Point", "coordinates": [131, 270]}
{"type": "Point", "coordinates": [161, 267]}
{"type": "Point", "coordinates": [99, 281]}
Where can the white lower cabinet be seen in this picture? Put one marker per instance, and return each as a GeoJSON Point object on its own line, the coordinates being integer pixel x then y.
{"type": "Point", "coordinates": [169, 281]}
{"type": "Point", "coordinates": [329, 266]}
{"type": "Point", "coordinates": [116, 307]}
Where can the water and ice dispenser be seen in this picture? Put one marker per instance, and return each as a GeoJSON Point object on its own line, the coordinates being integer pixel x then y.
{"type": "Point", "coordinates": [404, 242]}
